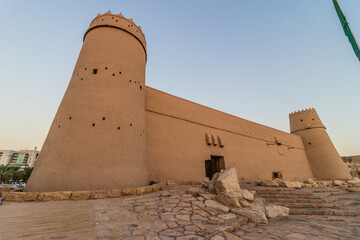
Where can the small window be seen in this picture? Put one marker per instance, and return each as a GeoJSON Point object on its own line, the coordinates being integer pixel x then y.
{"type": "Point", "coordinates": [103, 118]}
{"type": "Point", "coordinates": [70, 118]}
{"type": "Point", "coordinates": [118, 128]}
{"type": "Point", "coordinates": [113, 74]}
{"type": "Point", "coordinates": [93, 124]}
{"type": "Point", "coordinates": [130, 124]}
{"type": "Point", "coordinates": [309, 143]}
{"type": "Point", "coordinates": [105, 68]}
{"type": "Point", "coordinates": [277, 175]}
{"type": "Point", "coordinates": [94, 71]}
{"type": "Point", "coordinates": [119, 72]}
{"type": "Point", "coordinates": [301, 120]}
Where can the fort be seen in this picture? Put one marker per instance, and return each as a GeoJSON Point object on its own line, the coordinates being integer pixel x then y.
{"type": "Point", "coordinates": [113, 131]}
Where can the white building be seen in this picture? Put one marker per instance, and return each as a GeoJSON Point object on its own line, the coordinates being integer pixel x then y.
{"type": "Point", "coordinates": [5, 156]}
{"type": "Point", "coordinates": [21, 158]}
{"type": "Point", "coordinates": [32, 156]}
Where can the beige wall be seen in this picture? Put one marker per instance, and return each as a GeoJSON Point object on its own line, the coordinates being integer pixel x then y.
{"type": "Point", "coordinates": [324, 159]}
{"type": "Point", "coordinates": [77, 155]}
{"type": "Point", "coordinates": [111, 131]}
{"type": "Point", "coordinates": [177, 149]}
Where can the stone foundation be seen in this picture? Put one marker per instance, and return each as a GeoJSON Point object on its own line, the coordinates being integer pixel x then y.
{"type": "Point", "coordinates": [77, 195]}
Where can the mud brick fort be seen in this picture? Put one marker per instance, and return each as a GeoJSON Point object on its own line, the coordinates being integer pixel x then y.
{"type": "Point", "coordinates": [113, 131]}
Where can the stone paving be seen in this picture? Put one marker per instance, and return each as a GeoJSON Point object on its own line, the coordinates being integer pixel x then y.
{"type": "Point", "coordinates": [168, 214]}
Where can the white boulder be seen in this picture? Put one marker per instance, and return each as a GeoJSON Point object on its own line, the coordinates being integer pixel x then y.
{"type": "Point", "coordinates": [275, 211]}
{"type": "Point", "coordinates": [228, 181]}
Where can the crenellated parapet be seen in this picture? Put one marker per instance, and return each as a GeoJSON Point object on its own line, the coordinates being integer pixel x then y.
{"type": "Point", "coordinates": [305, 119]}
{"type": "Point", "coordinates": [120, 22]}
{"type": "Point", "coordinates": [324, 160]}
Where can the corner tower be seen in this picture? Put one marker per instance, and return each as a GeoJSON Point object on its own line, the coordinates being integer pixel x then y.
{"type": "Point", "coordinates": [324, 160]}
{"type": "Point", "coordinates": [97, 139]}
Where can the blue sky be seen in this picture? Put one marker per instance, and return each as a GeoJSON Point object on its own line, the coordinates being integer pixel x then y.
{"type": "Point", "coordinates": [256, 59]}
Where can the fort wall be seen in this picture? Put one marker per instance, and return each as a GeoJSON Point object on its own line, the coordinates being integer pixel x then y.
{"type": "Point", "coordinates": [97, 139]}
{"type": "Point", "coordinates": [181, 135]}
{"type": "Point", "coordinates": [111, 131]}
{"type": "Point", "coordinates": [323, 157]}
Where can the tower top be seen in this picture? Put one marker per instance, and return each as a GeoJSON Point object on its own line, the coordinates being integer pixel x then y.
{"type": "Point", "coordinates": [304, 119]}
{"type": "Point", "coordinates": [120, 22]}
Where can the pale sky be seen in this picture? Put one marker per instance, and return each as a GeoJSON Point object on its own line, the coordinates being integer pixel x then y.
{"type": "Point", "coordinates": [256, 59]}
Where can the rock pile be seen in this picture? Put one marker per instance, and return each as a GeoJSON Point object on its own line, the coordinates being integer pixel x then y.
{"type": "Point", "coordinates": [223, 193]}
{"type": "Point", "coordinates": [349, 185]}
{"type": "Point", "coordinates": [309, 183]}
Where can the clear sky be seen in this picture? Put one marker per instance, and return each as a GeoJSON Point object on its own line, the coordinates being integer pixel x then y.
{"type": "Point", "coordinates": [256, 59]}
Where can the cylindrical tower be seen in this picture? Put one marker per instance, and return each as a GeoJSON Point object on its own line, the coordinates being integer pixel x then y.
{"type": "Point", "coordinates": [97, 139]}
{"type": "Point", "coordinates": [324, 160]}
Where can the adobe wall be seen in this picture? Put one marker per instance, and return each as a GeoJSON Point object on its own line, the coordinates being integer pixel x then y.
{"type": "Point", "coordinates": [177, 147]}
{"type": "Point", "coordinates": [97, 140]}
{"type": "Point", "coordinates": [323, 157]}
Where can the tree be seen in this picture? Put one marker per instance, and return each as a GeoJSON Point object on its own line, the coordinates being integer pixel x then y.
{"type": "Point", "coordinates": [27, 173]}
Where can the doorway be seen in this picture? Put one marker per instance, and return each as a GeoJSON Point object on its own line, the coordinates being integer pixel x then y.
{"type": "Point", "coordinates": [214, 165]}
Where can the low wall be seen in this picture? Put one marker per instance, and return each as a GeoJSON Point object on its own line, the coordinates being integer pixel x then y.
{"type": "Point", "coordinates": [77, 195]}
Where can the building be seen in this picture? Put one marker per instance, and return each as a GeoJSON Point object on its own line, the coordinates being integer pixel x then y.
{"type": "Point", "coordinates": [21, 158]}
{"type": "Point", "coordinates": [113, 131]}
{"type": "Point", "coordinates": [6, 156]}
{"type": "Point", "coordinates": [32, 155]}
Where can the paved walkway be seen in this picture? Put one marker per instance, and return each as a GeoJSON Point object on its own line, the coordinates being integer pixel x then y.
{"type": "Point", "coordinates": [169, 214]}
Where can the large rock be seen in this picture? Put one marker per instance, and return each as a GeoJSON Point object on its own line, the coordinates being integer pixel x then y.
{"type": "Point", "coordinates": [129, 191]}
{"type": "Point", "coordinates": [141, 190]}
{"type": "Point", "coordinates": [268, 183]}
{"type": "Point", "coordinates": [244, 203]}
{"type": "Point", "coordinates": [205, 182]}
{"type": "Point", "coordinates": [247, 194]}
{"type": "Point", "coordinates": [275, 211]}
{"type": "Point", "coordinates": [255, 216]}
{"type": "Point", "coordinates": [355, 182]}
{"type": "Point", "coordinates": [30, 196]}
{"type": "Point", "coordinates": [290, 184]}
{"type": "Point", "coordinates": [80, 195]}
{"type": "Point", "coordinates": [216, 205]}
{"type": "Point", "coordinates": [64, 195]}
{"type": "Point", "coordinates": [313, 183]}
{"type": "Point", "coordinates": [15, 196]}
{"type": "Point", "coordinates": [229, 199]}
{"type": "Point", "coordinates": [46, 196]}
{"type": "Point", "coordinates": [259, 200]}
{"type": "Point", "coordinates": [113, 193]}
{"type": "Point", "coordinates": [54, 196]}
{"type": "Point", "coordinates": [98, 194]}
{"type": "Point", "coordinates": [337, 183]}
{"type": "Point", "coordinates": [212, 183]}
{"type": "Point", "coordinates": [228, 181]}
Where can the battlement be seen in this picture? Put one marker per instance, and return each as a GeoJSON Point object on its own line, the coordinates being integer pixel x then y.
{"type": "Point", "coordinates": [304, 119]}
{"type": "Point", "coordinates": [120, 22]}
{"type": "Point", "coordinates": [306, 110]}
